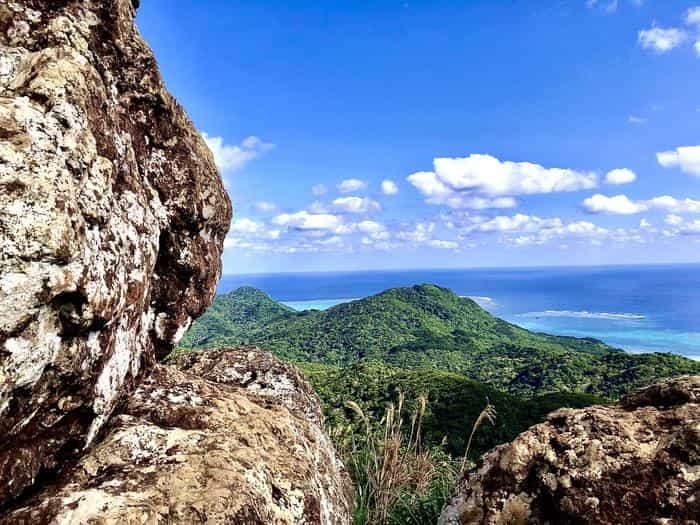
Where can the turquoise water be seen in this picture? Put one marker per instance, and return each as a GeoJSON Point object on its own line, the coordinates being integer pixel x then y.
{"type": "Point", "coordinates": [637, 308]}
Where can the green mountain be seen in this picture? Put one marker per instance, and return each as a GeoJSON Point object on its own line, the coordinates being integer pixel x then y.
{"type": "Point", "coordinates": [235, 316]}
{"type": "Point", "coordinates": [428, 327]}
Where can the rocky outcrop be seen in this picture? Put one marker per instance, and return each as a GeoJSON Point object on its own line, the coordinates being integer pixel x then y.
{"type": "Point", "coordinates": [224, 436]}
{"type": "Point", "coordinates": [637, 462]}
{"type": "Point", "coordinates": [112, 219]}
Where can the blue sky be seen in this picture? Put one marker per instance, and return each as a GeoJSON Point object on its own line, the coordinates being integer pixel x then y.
{"type": "Point", "coordinates": [404, 134]}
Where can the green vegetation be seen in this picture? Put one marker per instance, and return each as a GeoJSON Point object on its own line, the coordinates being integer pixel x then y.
{"type": "Point", "coordinates": [444, 354]}
{"type": "Point", "coordinates": [430, 328]}
{"type": "Point", "coordinates": [454, 402]}
{"type": "Point", "coordinates": [398, 479]}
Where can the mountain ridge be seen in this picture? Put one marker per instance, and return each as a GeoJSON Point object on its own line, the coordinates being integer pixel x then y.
{"type": "Point", "coordinates": [430, 327]}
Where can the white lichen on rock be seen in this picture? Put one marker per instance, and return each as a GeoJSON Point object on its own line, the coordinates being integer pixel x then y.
{"type": "Point", "coordinates": [191, 446]}
{"type": "Point", "coordinates": [103, 185]}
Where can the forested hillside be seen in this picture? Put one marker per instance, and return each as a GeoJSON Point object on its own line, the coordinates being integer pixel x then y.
{"type": "Point", "coordinates": [429, 327]}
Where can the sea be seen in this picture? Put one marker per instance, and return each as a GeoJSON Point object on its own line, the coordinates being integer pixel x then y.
{"type": "Point", "coordinates": [636, 308]}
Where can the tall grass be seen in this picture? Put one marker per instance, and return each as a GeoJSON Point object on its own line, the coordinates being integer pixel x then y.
{"type": "Point", "coordinates": [397, 479]}
{"type": "Point", "coordinates": [487, 414]}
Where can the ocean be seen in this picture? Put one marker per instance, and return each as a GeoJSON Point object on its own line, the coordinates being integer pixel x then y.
{"type": "Point", "coordinates": [636, 308]}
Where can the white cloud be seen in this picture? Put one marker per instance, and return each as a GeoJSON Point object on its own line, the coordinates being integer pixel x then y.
{"type": "Point", "coordinates": [697, 47]}
{"type": "Point", "coordinates": [303, 220]}
{"type": "Point", "coordinates": [531, 230]}
{"type": "Point", "coordinates": [443, 245]}
{"type": "Point", "coordinates": [679, 226]}
{"type": "Point", "coordinates": [692, 16]}
{"type": "Point", "coordinates": [483, 181]}
{"type": "Point", "coordinates": [623, 205]}
{"type": "Point", "coordinates": [389, 187]}
{"type": "Point", "coordinates": [490, 176]}
{"type": "Point", "coordinates": [232, 158]}
{"type": "Point", "coordinates": [661, 40]}
{"type": "Point", "coordinates": [673, 220]}
{"type": "Point", "coordinates": [349, 185]}
{"type": "Point", "coordinates": [620, 176]}
{"type": "Point", "coordinates": [632, 119]}
{"type": "Point", "coordinates": [245, 226]}
{"type": "Point", "coordinates": [617, 205]}
{"type": "Point", "coordinates": [319, 189]}
{"type": "Point", "coordinates": [422, 232]}
{"type": "Point", "coordinates": [356, 204]}
{"type": "Point", "coordinates": [265, 206]}
{"type": "Point", "coordinates": [671, 204]}
{"type": "Point", "coordinates": [687, 158]}
{"type": "Point", "coordinates": [519, 222]}
{"type": "Point", "coordinates": [370, 227]}
{"type": "Point", "coordinates": [248, 234]}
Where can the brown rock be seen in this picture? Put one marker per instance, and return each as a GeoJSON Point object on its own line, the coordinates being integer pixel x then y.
{"type": "Point", "coordinates": [634, 463]}
{"type": "Point", "coordinates": [112, 219]}
{"type": "Point", "coordinates": [227, 436]}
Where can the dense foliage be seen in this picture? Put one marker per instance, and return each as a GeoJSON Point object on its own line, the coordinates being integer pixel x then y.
{"type": "Point", "coordinates": [453, 402]}
{"type": "Point", "coordinates": [431, 328]}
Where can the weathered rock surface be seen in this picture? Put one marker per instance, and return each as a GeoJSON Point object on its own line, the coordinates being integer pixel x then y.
{"type": "Point", "coordinates": [224, 436]}
{"type": "Point", "coordinates": [637, 462]}
{"type": "Point", "coordinates": [112, 219]}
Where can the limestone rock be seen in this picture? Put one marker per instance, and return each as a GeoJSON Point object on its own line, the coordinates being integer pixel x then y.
{"type": "Point", "coordinates": [224, 436]}
{"type": "Point", "coordinates": [112, 219]}
{"type": "Point", "coordinates": [637, 462]}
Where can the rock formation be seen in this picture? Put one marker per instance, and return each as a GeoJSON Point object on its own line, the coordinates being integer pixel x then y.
{"type": "Point", "coordinates": [225, 436]}
{"type": "Point", "coordinates": [112, 222]}
{"type": "Point", "coordinates": [637, 462]}
{"type": "Point", "coordinates": [112, 219]}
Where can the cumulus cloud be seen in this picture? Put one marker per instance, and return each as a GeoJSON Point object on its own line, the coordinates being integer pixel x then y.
{"type": "Point", "coordinates": [519, 222]}
{"type": "Point", "coordinates": [679, 226]}
{"type": "Point", "coordinates": [692, 16]}
{"type": "Point", "coordinates": [249, 234]}
{"type": "Point", "coordinates": [303, 220]}
{"type": "Point", "coordinates": [687, 158]}
{"type": "Point", "coordinates": [632, 119]}
{"type": "Point", "coordinates": [421, 232]}
{"type": "Point", "coordinates": [319, 189]}
{"type": "Point", "coordinates": [620, 176]}
{"type": "Point", "coordinates": [623, 205]}
{"type": "Point", "coordinates": [389, 187]}
{"type": "Point", "coordinates": [230, 158]}
{"type": "Point", "coordinates": [483, 181]}
{"type": "Point", "coordinates": [370, 227]}
{"type": "Point", "coordinates": [349, 185]}
{"type": "Point", "coordinates": [530, 230]}
{"type": "Point", "coordinates": [356, 204]}
{"type": "Point", "coordinates": [617, 205]}
{"type": "Point", "coordinates": [660, 40]}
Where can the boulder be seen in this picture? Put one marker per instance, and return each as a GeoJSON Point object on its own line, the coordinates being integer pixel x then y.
{"type": "Point", "coordinates": [222, 436]}
{"type": "Point", "coordinates": [112, 221]}
{"type": "Point", "coordinates": [637, 462]}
